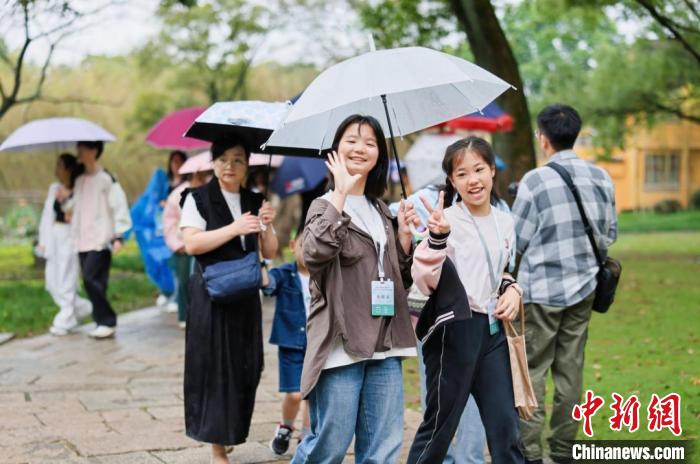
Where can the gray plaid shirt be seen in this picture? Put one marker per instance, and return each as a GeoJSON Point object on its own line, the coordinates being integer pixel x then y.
{"type": "Point", "coordinates": [558, 267]}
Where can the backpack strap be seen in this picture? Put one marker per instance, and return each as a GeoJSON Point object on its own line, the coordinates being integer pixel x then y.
{"type": "Point", "coordinates": [566, 177]}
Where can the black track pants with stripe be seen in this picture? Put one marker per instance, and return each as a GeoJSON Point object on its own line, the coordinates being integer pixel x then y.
{"type": "Point", "coordinates": [462, 358]}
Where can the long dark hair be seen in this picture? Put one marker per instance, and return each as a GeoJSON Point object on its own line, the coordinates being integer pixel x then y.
{"type": "Point", "coordinates": [173, 154]}
{"type": "Point", "coordinates": [70, 163]}
{"type": "Point", "coordinates": [455, 151]}
{"type": "Point", "coordinates": [376, 179]}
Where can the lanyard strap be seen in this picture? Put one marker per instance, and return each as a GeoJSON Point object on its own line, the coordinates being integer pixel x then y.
{"type": "Point", "coordinates": [494, 278]}
{"type": "Point", "coordinates": [378, 246]}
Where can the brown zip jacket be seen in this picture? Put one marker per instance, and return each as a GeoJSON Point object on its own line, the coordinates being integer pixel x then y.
{"type": "Point", "coordinates": [342, 261]}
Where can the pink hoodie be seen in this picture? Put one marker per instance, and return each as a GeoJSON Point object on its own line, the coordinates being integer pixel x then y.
{"type": "Point", "coordinates": [171, 218]}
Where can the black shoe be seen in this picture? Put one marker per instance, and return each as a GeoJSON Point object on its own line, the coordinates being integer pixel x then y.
{"type": "Point", "coordinates": [280, 444]}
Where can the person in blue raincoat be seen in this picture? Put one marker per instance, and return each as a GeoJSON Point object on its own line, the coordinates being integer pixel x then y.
{"type": "Point", "coordinates": [146, 215]}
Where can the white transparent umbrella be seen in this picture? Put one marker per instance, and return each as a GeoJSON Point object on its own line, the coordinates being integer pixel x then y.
{"type": "Point", "coordinates": [424, 159]}
{"type": "Point", "coordinates": [54, 134]}
{"type": "Point", "coordinates": [405, 89]}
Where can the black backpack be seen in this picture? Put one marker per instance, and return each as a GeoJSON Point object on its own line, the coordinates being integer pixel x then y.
{"type": "Point", "coordinates": [609, 270]}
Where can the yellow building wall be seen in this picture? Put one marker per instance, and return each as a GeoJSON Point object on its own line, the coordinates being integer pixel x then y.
{"type": "Point", "coordinates": [627, 169]}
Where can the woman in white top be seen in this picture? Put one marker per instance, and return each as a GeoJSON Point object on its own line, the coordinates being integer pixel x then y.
{"type": "Point", "coordinates": [222, 221]}
{"type": "Point", "coordinates": [469, 356]}
{"type": "Point", "coordinates": [56, 245]}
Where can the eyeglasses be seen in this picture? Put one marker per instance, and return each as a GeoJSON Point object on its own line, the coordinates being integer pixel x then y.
{"type": "Point", "coordinates": [230, 162]}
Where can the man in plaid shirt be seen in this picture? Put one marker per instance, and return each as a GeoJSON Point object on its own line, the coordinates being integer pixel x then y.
{"type": "Point", "coordinates": [557, 272]}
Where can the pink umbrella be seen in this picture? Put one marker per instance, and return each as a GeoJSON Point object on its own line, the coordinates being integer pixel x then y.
{"type": "Point", "coordinates": [168, 132]}
{"type": "Point", "coordinates": [197, 163]}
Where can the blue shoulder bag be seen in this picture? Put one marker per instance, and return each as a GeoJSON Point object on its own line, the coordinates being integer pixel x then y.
{"type": "Point", "coordinates": [233, 280]}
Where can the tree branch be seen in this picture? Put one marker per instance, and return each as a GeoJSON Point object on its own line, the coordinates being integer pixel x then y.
{"type": "Point", "coordinates": [60, 101]}
{"type": "Point", "coordinates": [692, 8]}
{"type": "Point", "coordinates": [676, 112]}
{"type": "Point", "coordinates": [22, 54]}
{"type": "Point", "coordinates": [668, 24]}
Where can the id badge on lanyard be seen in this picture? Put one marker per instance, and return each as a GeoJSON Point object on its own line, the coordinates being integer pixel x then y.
{"type": "Point", "coordinates": [382, 289]}
{"type": "Point", "coordinates": [494, 325]}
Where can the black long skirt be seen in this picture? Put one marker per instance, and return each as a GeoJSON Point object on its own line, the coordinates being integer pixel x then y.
{"type": "Point", "coordinates": [223, 363]}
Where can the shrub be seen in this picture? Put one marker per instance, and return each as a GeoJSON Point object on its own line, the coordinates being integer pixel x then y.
{"type": "Point", "coordinates": [667, 206]}
{"type": "Point", "coordinates": [695, 200]}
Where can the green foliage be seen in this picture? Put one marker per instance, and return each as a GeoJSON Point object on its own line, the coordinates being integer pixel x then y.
{"type": "Point", "coordinates": [574, 51]}
{"type": "Point", "coordinates": [27, 308]}
{"type": "Point", "coordinates": [667, 206]}
{"type": "Point", "coordinates": [695, 200]}
{"type": "Point", "coordinates": [213, 43]}
{"type": "Point", "coordinates": [404, 23]}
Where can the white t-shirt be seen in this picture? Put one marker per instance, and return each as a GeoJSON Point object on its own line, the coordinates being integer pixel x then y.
{"type": "Point", "coordinates": [305, 291]}
{"type": "Point", "coordinates": [466, 251]}
{"type": "Point", "coordinates": [365, 216]}
{"type": "Point", "coordinates": [190, 216]}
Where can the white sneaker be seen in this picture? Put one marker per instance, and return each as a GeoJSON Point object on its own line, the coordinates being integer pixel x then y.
{"type": "Point", "coordinates": [58, 331]}
{"type": "Point", "coordinates": [171, 307]}
{"type": "Point", "coordinates": [102, 331]}
{"type": "Point", "coordinates": [162, 300]}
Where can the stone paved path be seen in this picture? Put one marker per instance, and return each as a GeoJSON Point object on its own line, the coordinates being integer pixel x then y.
{"type": "Point", "coordinates": [76, 400]}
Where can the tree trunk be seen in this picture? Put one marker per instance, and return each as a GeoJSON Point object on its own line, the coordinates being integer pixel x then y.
{"type": "Point", "coordinates": [492, 51]}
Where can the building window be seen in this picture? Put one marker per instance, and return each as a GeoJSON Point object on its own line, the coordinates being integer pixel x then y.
{"type": "Point", "coordinates": [662, 171]}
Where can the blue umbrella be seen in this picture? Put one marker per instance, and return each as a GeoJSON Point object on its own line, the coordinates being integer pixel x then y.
{"type": "Point", "coordinates": [298, 175]}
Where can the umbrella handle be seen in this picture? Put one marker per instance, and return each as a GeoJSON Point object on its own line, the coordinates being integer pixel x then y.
{"type": "Point", "coordinates": [393, 146]}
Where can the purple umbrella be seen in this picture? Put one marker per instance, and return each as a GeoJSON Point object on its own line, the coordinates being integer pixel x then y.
{"type": "Point", "coordinates": [54, 134]}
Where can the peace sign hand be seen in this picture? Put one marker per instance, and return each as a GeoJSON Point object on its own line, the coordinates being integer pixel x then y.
{"type": "Point", "coordinates": [343, 181]}
{"type": "Point", "coordinates": [437, 224]}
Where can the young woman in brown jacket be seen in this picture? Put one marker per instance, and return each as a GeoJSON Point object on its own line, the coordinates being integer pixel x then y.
{"type": "Point", "coordinates": [358, 331]}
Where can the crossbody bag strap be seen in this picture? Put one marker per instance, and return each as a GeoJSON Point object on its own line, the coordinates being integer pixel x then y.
{"type": "Point", "coordinates": [564, 174]}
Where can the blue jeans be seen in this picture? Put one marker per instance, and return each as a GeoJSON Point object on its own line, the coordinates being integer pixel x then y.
{"type": "Point", "coordinates": [470, 439]}
{"type": "Point", "coordinates": [364, 399]}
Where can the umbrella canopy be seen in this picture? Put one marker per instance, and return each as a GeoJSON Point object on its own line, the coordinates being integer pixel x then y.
{"type": "Point", "coordinates": [424, 159]}
{"type": "Point", "coordinates": [491, 119]}
{"type": "Point", "coordinates": [298, 175]}
{"type": "Point", "coordinates": [258, 159]}
{"type": "Point", "coordinates": [197, 163]}
{"type": "Point", "coordinates": [406, 89]}
{"type": "Point", "coordinates": [54, 134]}
{"type": "Point", "coordinates": [253, 121]}
{"type": "Point", "coordinates": [168, 132]}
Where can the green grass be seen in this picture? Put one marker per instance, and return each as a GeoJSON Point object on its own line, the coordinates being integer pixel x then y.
{"type": "Point", "coordinates": [27, 309]}
{"type": "Point", "coordinates": [648, 342]}
{"type": "Point", "coordinates": [688, 220]}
